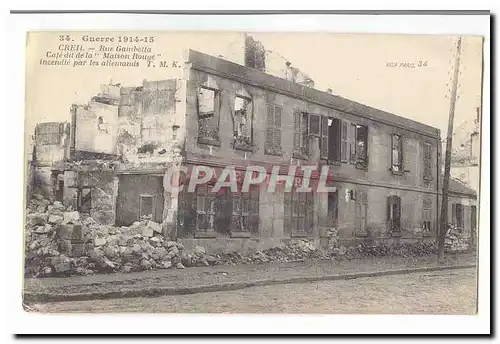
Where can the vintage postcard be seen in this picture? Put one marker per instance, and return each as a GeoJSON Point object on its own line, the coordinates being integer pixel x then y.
{"type": "Point", "coordinates": [232, 172]}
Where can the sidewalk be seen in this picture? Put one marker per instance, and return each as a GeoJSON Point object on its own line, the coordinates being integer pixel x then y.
{"type": "Point", "coordinates": [216, 278]}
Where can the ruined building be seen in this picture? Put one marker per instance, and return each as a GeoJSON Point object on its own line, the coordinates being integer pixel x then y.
{"type": "Point", "coordinates": [119, 145]}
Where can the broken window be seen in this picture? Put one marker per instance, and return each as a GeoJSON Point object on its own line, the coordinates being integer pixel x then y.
{"type": "Point", "coordinates": [427, 215]}
{"type": "Point", "coordinates": [245, 210]}
{"type": "Point", "coordinates": [427, 162]}
{"type": "Point", "coordinates": [333, 208]}
{"type": "Point", "coordinates": [361, 146]}
{"type": "Point", "coordinates": [394, 214]}
{"type": "Point", "coordinates": [273, 130]}
{"type": "Point", "coordinates": [208, 116]}
{"type": "Point", "coordinates": [299, 210]}
{"type": "Point", "coordinates": [330, 139]}
{"type": "Point", "coordinates": [242, 126]}
{"type": "Point", "coordinates": [84, 204]}
{"type": "Point", "coordinates": [147, 207]}
{"type": "Point", "coordinates": [101, 126]}
{"type": "Point", "coordinates": [301, 135]}
{"type": "Point", "coordinates": [457, 215]}
{"type": "Point", "coordinates": [314, 124]}
{"type": "Point", "coordinates": [397, 154]}
{"type": "Point", "coordinates": [361, 210]}
{"type": "Point", "coordinates": [205, 208]}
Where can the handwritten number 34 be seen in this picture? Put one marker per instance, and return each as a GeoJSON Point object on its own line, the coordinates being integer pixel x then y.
{"type": "Point", "coordinates": [422, 63]}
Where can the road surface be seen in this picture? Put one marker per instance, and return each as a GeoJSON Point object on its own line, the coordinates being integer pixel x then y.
{"type": "Point", "coordinates": [441, 292]}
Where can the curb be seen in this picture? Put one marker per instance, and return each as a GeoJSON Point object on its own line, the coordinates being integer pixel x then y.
{"type": "Point", "coordinates": [156, 292]}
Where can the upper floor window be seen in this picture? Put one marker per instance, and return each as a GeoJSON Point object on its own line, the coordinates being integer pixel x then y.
{"type": "Point", "coordinates": [300, 135]}
{"type": "Point", "coordinates": [208, 116]}
{"type": "Point", "coordinates": [330, 139]}
{"type": "Point", "coordinates": [397, 154]}
{"type": "Point", "coordinates": [356, 142]}
{"type": "Point", "coordinates": [242, 125]}
{"type": "Point", "coordinates": [361, 146]}
{"type": "Point", "coordinates": [273, 130]}
{"type": "Point", "coordinates": [427, 162]}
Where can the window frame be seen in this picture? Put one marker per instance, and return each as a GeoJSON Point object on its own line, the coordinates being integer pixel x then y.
{"type": "Point", "coordinates": [205, 134]}
{"type": "Point", "coordinates": [399, 149]}
{"type": "Point", "coordinates": [242, 142]}
{"type": "Point", "coordinates": [333, 140]}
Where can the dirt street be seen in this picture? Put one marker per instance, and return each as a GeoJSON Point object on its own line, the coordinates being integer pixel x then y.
{"type": "Point", "coordinates": [441, 292]}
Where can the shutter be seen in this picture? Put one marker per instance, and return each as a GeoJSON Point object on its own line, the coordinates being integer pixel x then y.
{"type": "Point", "coordinates": [427, 161]}
{"type": "Point", "coordinates": [397, 215]}
{"type": "Point", "coordinates": [254, 209]}
{"type": "Point", "coordinates": [365, 209]}
{"type": "Point", "coordinates": [461, 216]}
{"type": "Point", "coordinates": [309, 207]}
{"type": "Point", "coordinates": [334, 134]}
{"type": "Point", "coordinates": [314, 124]}
{"type": "Point", "coordinates": [351, 136]}
{"type": "Point", "coordinates": [277, 128]}
{"type": "Point", "coordinates": [454, 215]}
{"type": "Point", "coordinates": [343, 137]}
{"type": "Point", "coordinates": [393, 144]}
{"type": "Point", "coordinates": [287, 229]}
{"type": "Point", "coordinates": [221, 205]}
{"type": "Point", "coordinates": [389, 213]}
{"type": "Point", "coordinates": [189, 212]}
{"type": "Point", "coordinates": [357, 210]}
{"type": "Point", "coordinates": [296, 131]}
{"type": "Point", "coordinates": [406, 154]}
{"type": "Point", "coordinates": [324, 138]}
{"type": "Point", "coordinates": [270, 127]}
{"type": "Point", "coordinates": [236, 216]}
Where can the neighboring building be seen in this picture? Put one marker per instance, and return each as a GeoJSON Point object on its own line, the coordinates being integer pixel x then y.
{"type": "Point", "coordinates": [384, 167]}
{"type": "Point", "coordinates": [466, 152]}
{"type": "Point", "coordinates": [462, 216]}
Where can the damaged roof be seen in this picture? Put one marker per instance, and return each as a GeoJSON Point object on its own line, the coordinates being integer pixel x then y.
{"type": "Point", "coordinates": [217, 66]}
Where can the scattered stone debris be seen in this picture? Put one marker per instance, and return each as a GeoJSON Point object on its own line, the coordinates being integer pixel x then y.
{"type": "Point", "coordinates": [61, 242]}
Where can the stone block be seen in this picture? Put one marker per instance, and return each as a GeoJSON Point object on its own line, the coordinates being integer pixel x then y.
{"type": "Point", "coordinates": [156, 227]}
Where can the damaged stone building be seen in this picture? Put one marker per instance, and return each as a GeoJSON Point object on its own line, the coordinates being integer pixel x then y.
{"type": "Point", "coordinates": [118, 147]}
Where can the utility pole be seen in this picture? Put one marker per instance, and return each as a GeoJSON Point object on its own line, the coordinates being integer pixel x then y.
{"type": "Point", "coordinates": [443, 226]}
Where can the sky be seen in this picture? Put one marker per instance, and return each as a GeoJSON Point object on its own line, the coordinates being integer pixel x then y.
{"type": "Point", "coordinates": [354, 66]}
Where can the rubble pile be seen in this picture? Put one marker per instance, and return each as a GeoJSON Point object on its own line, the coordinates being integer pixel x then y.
{"type": "Point", "coordinates": [59, 241]}
{"type": "Point", "coordinates": [297, 250]}
{"type": "Point", "coordinates": [420, 248]}
{"type": "Point", "coordinates": [456, 239]}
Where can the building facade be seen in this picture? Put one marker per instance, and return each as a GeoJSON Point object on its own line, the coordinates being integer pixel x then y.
{"type": "Point", "coordinates": [384, 168]}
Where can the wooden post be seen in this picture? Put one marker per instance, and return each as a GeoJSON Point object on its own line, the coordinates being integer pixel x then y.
{"type": "Point", "coordinates": [447, 161]}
